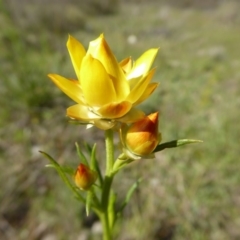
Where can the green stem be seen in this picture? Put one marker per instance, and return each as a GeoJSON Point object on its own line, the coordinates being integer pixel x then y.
{"type": "Point", "coordinates": [109, 151]}
{"type": "Point", "coordinates": [106, 227]}
{"type": "Point", "coordinates": [106, 192]}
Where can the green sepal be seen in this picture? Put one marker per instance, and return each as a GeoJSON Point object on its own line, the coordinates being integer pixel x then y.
{"type": "Point", "coordinates": [61, 171]}
{"type": "Point", "coordinates": [175, 143]}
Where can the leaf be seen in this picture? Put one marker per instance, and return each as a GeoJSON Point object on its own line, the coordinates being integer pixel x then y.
{"type": "Point", "coordinates": [88, 148]}
{"type": "Point", "coordinates": [66, 169]}
{"type": "Point", "coordinates": [69, 170]}
{"type": "Point", "coordinates": [93, 157]}
{"type": "Point", "coordinates": [95, 165]}
{"type": "Point", "coordinates": [175, 143]}
{"type": "Point", "coordinates": [129, 194]}
{"type": "Point", "coordinates": [61, 173]}
{"type": "Point", "coordinates": [89, 202]}
{"type": "Point", "coordinates": [82, 157]}
{"type": "Point", "coordinates": [92, 201]}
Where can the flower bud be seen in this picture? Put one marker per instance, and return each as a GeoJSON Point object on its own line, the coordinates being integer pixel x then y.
{"type": "Point", "coordinates": [142, 137]}
{"type": "Point", "coordinates": [85, 177]}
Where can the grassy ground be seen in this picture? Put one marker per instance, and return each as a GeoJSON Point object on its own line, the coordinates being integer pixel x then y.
{"type": "Point", "coordinates": [187, 193]}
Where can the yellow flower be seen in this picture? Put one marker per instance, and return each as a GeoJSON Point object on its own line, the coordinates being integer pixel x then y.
{"type": "Point", "coordinates": [106, 91]}
{"type": "Point", "coordinates": [141, 138]}
{"type": "Point", "coordinates": [84, 177]}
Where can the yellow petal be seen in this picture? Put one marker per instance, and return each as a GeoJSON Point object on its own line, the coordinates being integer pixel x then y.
{"type": "Point", "coordinates": [76, 52]}
{"type": "Point", "coordinates": [100, 50]}
{"type": "Point", "coordinates": [96, 85]}
{"type": "Point", "coordinates": [149, 90]}
{"type": "Point", "coordinates": [115, 110]}
{"type": "Point", "coordinates": [132, 116]}
{"type": "Point", "coordinates": [133, 81]}
{"type": "Point", "coordinates": [143, 63]}
{"type": "Point", "coordinates": [81, 112]}
{"type": "Point", "coordinates": [126, 64]}
{"type": "Point", "coordinates": [69, 87]}
{"type": "Point", "coordinates": [140, 87]}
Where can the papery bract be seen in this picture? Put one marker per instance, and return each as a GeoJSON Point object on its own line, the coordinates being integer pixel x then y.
{"type": "Point", "coordinates": [106, 91]}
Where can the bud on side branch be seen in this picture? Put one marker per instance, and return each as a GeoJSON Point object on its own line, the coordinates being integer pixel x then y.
{"type": "Point", "coordinates": [84, 177]}
{"type": "Point", "coordinates": [141, 138]}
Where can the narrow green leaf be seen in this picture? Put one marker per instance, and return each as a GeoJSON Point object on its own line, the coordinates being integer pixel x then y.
{"type": "Point", "coordinates": [93, 157]}
{"type": "Point", "coordinates": [129, 194]}
{"type": "Point", "coordinates": [95, 165]}
{"type": "Point", "coordinates": [66, 169]}
{"type": "Point", "coordinates": [88, 148]}
{"type": "Point", "coordinates": [88, 202]}
{"type": "Point", "coordinates": [82, 157]}
{"type": "Point", "coordinates": [69, 170]}
{"type": "Point", "coordinates": [92, 201]}
{"type": "Point", "coordinates": [50, 165]}
{"type": "Point", "coordinates": [61, 173]}
{"type": "Point", "coordinates": [175, 143]}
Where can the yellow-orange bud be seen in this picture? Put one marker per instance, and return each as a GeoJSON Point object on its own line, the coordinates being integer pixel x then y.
{"type": "Point", "coordinates": [84, 177]}
{"type": "Point", "coordinates": [142, 137]}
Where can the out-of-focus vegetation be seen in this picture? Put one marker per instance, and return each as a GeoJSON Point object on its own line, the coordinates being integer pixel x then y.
{"type": "Point", "coordinates": [188, 193]}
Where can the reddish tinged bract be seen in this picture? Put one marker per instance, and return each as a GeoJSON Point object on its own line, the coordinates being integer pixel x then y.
{"type": "Point", "coordinates": [84, 177]}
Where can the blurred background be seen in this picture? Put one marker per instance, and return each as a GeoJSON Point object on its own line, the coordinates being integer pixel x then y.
{"type": "Point", "coordinates": [192, 192]}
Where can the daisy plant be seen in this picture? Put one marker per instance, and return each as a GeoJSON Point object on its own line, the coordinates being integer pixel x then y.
{"type": "Point", "coordinates": [106, 93]}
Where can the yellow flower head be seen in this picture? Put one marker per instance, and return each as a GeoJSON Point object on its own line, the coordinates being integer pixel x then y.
{"type": "Point", "coordinates": [106, 91]}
